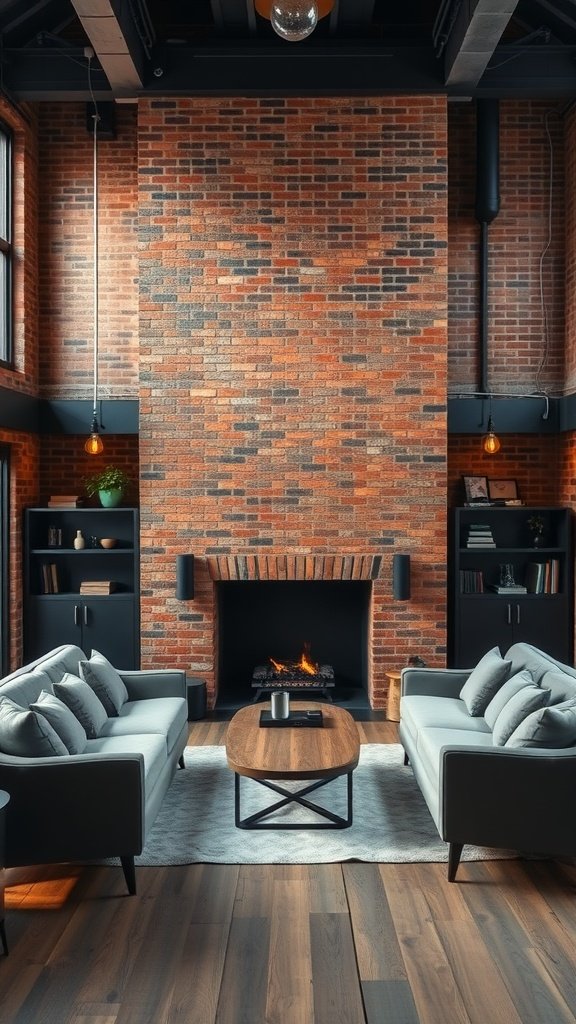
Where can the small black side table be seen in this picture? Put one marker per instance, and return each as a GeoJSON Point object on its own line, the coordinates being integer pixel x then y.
{"type": "Point", "coordinates": [196, 694]}
{"type": "Point", "coordinates": [4, 799]}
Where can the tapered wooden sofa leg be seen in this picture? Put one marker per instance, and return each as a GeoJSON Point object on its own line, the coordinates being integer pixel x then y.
{"type": "Point", "coordinates": [454, 853]}
{"type": "Point", "coordinates": [129, 874]}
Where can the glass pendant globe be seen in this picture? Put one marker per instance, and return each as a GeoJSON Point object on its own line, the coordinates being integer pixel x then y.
{"type": "Point", "coordinates": [294, 19]}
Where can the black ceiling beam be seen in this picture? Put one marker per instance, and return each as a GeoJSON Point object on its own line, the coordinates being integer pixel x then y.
{"type": "Point", "coordinates": [329, 70]}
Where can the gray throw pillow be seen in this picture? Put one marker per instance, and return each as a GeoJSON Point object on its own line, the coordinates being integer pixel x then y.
{"type": "Point", "coordinates": [502, 696]}
{"type": "Point", "coordinates": [516, 710]}
{"type": "Point", "coordinates": [483, 681]}
{"type": "Point", "coordinates": [553, 727]}
{"type": "Point", "coordinates": [25, 733]}
{"type": "Point", "coordinates": [62, 720]}
{"type": "Point", "coordinates": [83, 702]}
{"type": "Point", "coordinates": [105, 681]}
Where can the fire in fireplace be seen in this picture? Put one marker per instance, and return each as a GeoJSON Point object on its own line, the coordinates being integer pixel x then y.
{"type": "Point", "coordinates": [301, 674]}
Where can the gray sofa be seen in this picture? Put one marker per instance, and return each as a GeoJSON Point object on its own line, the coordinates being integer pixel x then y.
{"type": "Point", "coordinates": [102, 802]}
{"type": "Point", "coordinates": [506, 790]}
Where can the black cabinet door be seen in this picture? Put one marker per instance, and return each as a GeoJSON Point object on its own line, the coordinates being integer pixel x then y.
{"type": "Point", "coordinates": [487, 622]}
{"type": "Point", "coordinates": [106, 624]}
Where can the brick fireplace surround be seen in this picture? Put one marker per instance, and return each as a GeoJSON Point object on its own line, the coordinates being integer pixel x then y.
{"type": "Point", "coordinates": [293, 355]}
{"type": "Point", "coordinates": [274, 290]}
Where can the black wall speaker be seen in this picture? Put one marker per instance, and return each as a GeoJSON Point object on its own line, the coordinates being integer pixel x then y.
{"type": "Point", "coordinates": [401, 577]}
{"type": "Point", "coordinates": [184, 577]}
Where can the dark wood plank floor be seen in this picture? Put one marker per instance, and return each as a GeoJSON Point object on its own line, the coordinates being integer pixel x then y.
{"type": "Point", "coordinates": [304, 944]}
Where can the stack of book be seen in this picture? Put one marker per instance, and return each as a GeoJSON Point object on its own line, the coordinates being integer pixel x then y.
{"type": "Point", "coordinates": [511, 588]}
{"type": "Point", "coordinates": [49, 579]}
{"type": "Point", "coordinates": [480, 536]}
{"type": "Point", "coordinates": [65, 501]}
{"type": "Point", "coordinates": [543, 577]}
{"type": "Point", "coordinates": [98, 587]}
{"type": "Point", "coordinates": [471, 581]}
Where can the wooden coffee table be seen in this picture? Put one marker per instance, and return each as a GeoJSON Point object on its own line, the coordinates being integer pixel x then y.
{"type": "Point", "coordinates": [292, 752]}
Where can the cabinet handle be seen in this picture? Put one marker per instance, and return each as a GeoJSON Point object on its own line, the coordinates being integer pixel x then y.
{"type": "Point", "coordinates": [76, 615]}
{"type": "Point", "coordinates": [517, 614]}
{"type": "Point", "coordinates": [509, 607]}
{"type": "Point", "coordinates": [85, 615]}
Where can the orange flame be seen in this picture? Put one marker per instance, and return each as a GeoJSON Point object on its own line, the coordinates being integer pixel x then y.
{"type": "Point", "coordinates": [304, 664]}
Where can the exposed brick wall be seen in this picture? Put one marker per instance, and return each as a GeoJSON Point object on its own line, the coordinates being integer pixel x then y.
{"type": "Point", "coordinates": [570, 215]}
{"type": "Point", "coordinates": [293, 351]}
{"type": "Point", "coordinates": [65, 464]}
{"type": "Point", "coordinates": [536, 463]}
{"type": "Point", "coordinates": [66, 249]}
{"type": "Point", "coordinates": [522, 355]}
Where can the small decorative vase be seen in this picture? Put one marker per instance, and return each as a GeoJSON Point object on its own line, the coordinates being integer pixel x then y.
{"type": "Point", "coordinates": [79, 541]}
{"type": "Point", "coordinates": [110, 499]}
{"type": "Point", "coordinates": [536, 540]}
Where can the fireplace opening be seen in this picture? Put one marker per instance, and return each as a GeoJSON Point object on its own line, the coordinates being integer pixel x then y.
{"type": "Point", "coordinates": [310, 637]}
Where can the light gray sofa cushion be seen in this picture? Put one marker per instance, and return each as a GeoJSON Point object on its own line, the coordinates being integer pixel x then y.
{"type": "Point", "coordinates": [483, 681]}
{"type": "Point", "coordinates": [62, 720]}
{"type": "Point", "coordinates": [420, 711]}
{"type": "Point", "coordinates": [503, 695]}
{"type": "Point", "coordinates": [553, 727]}
{"type": "Point", "coordinates": [152, 748]}
{"type": "Point", "coordinates": [27, 687]}
{"type": "Point", "coordinates": [25, 733]}
{"type": "Point", "coordinates": [82, 700]}
{"type": "Point", "coordinates": [166, 716]}
{"type": "Point", "coordinates": [529, 699]}
{"type": "Point", "coordinates": [105, 681]}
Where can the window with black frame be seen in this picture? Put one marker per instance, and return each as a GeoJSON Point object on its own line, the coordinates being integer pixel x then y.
{"type": "Point", "coordinates": [4, 554]}
{"type": "Point", "coordinates": [5, 245]}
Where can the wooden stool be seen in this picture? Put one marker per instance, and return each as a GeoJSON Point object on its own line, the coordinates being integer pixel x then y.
{"type": "Point", "coordinates": [393, 707]}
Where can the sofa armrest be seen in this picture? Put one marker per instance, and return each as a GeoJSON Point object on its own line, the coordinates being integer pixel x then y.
{"type": "Point", "coordinates": [79, 807]}
{"type": "Point", "coordinates": [146, 683]}
{"type": "Point", "coordinates": [512, 799]}
{"type": "Point", "coordinates": [434, 682]}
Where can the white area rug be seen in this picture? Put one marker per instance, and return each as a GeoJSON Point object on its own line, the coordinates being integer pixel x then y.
{"type": "Point", "coordinates": [391, 821]}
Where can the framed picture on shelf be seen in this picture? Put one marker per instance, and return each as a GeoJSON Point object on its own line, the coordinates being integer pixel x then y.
{"type": "Point", "coordinates": [476, 488]}
{"type": "Point", "coordinates": [502, 490]}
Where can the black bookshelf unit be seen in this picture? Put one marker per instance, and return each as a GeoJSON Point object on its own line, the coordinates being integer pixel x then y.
{"type": "Point", "coordinates": [482, 616]}
{"type": "Point", "coordinates": [55, 610]}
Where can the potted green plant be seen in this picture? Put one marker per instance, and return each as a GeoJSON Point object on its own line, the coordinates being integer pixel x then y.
{"type": "Point", "coordinates": [109, 484]}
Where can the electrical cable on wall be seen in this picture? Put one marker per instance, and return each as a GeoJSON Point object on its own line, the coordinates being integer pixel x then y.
{"type": "Point", "coordinates": [543, 254]}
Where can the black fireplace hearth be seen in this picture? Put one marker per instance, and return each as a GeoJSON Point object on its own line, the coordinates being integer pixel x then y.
{"type": "Point", "coordinates": [262, 624]}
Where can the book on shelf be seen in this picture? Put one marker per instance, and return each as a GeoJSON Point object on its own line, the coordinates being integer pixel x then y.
{"type": "Point", "coordinates": [471, 581]}
{"type": "Point", "coordinates": [98, 587]}
{"type": "Point", "coordinates": [473, 543]}
{"type": "Point", "coordinates": [543, 577]}
{"type": "Point", "coordinates": [65, 501]}
{"type": "Point", "coordinates": [515, 588]}
{"type": "Point", "coordinates": [49, 582]}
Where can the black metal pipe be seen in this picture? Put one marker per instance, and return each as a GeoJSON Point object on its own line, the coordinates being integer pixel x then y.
{"type": "Point", "coordinates": [486, 209]}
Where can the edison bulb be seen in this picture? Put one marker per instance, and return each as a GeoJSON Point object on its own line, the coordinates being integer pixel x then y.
{"type": "Point", "coordinates": [93, 445]}
{"type": "Point", "coordinates": [294, 19]}
{"type": "Point", "coordinates": [491, 444]}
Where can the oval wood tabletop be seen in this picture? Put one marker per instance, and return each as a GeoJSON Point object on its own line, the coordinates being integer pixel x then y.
{"type": "Point", "coordinates": [292, 752]}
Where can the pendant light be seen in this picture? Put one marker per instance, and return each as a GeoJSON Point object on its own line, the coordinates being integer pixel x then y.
{"type": "Point", "coordinates": [293, 20]}
{"type": "Point", "coordinates": [93, 444]}
{"type": "Point", "coordinates": [490, 441]}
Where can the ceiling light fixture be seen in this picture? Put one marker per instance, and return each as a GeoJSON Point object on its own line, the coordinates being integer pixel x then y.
{"type": "Point", "coordinates": [490, 441]}
{"type": "Point", "coordinates": [293, 20]}
{"type": "Point", "coordinates": [93, 444]}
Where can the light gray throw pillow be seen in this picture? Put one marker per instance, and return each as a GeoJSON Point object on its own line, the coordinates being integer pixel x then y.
{"type": "Point", "coordinates": [105, 681]}
{"type": "Point", "coordinates": [83, 702]}
{"type": "Point", "coordinates": [529, 699]}
{"type": "Point", "coordinates": [503, 695]}
{"type": "Point", "coordinates": [483, 681]}
{"type": "Point", "coordinates": [25, 733]}
{"type": "Point", "coordinates": [553, 727]}
{"type": "Point", "coordinates": [62, 720]}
